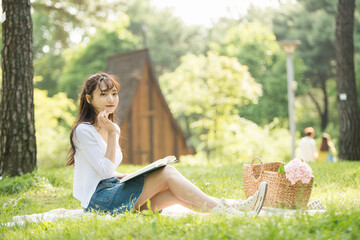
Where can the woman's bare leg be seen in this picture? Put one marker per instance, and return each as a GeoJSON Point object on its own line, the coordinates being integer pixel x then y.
{"type": "Point", "coordinates": [185, 192]}
{"type": "Point", "coordinates": [165, 199]}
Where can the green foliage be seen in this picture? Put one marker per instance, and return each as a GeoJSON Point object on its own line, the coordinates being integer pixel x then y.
{"type": "Point", "coordinates": [36, 192]}
{"type": "Point", "coordinates": [53, 121]}
{"type": "Point", "coordinates": [43, 33]}
{"type": "Point", "coordinates": [166, 42]}
{"type": "Point", "coordinates": [314, 26]}
{"type": "Point", "coordinates": [255, 46]}
{"type": "Point", "coordinates": [53, 25]}
{"type": "Point", "coordinates": [57, 176]}
{"type": "Point", "coordinates": [48, 60]}
{"type": "Point", "coordinates": [335, 185]}
{"type": "Point", "coordinates": [129, 226]}
{"type": "Point", "coordinates": [92, 57]}
{"type": "Point", "coordinates": [281, 168]}
{"type": "Point", "coordinates": [328, 5]}
{"type": "Point", "coordinates": [55, 21]}
{"type": "Point", "coordinates": [306, 113]}
{"type": "Point", "coordinates": [237, 140]}
{"type": "Point", "coordinates": [50, 74]}
{"type": "Point", "coordinates": [206, 91]}
{"type": "Point", "coordinates": [260, 14]}
{"type": "Point", "coordinates": [14, 185]}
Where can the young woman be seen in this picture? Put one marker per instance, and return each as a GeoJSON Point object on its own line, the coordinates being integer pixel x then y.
{"type": "Point", "coordinates": [327, 151]}
{"type": "Point", "coordinates": [96, 154]}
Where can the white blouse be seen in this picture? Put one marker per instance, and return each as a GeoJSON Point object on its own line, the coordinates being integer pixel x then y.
{"type": "Point", "coordinates": [91, 165]}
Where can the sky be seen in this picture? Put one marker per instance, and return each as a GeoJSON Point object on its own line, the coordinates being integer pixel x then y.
{"type": "Point", "coordinates": [203, 11]}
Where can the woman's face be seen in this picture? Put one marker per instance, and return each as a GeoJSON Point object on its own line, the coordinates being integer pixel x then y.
{"type": "Point", "coordinates": [104, 100]}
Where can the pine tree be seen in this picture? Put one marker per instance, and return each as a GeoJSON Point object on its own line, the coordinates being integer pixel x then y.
{"type": "Point", "coordinates": [17, 130]}
{"type": "Point", "coordinates": [348, 108]}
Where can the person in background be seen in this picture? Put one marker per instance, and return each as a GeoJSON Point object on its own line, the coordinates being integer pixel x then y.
{"type": "Point", "coordinates": [327, 151]}
{"type": "Point", "coordinates": [307, 148]}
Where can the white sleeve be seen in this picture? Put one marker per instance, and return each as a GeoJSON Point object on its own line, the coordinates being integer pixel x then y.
{"type": "Point", "coordinates": [316, 154]}
{"type": "Point", "coordinates": [119, 155]}
{"type": "Point", "coordinates": [84, 140]}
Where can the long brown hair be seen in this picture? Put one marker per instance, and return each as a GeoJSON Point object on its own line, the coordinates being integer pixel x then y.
{"type": "Point", "coordinates": [86, 111]}
{"type": "Point", "coordinates": [324, 147]}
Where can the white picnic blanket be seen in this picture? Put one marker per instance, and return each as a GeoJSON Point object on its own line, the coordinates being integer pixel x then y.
{"type": "Point", "coordinates": [178, 211]}
{"type": "Point", "coordinates": [173, 211]}
{"type": "Point", "coordinates": [51, 216]}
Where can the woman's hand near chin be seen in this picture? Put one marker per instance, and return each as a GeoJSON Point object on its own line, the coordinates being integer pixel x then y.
{"type": "Point", "coordinates": [105, 122]}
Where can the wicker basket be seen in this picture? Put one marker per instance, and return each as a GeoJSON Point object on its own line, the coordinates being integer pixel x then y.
{"type": "Point", "coordinates": [280, 193]}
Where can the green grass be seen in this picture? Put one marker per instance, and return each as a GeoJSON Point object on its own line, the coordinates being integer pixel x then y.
{"type": "Point", "coordinates": [336, 186]}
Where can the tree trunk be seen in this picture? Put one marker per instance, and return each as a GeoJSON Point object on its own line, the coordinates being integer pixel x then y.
{"type": "Point", "coordinates": [348, 108]}
{"type": "Point", "coordinates": [325, 113]}
{"type": "Point", "coordinates": [17, 130]}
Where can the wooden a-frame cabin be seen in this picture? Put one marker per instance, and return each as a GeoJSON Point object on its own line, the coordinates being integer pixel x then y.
{"type": "Point", "coordinates": [148, 129]}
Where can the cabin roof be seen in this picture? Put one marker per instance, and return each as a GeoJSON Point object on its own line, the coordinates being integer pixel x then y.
{"type": "Point", "coordinates": [129, 67]}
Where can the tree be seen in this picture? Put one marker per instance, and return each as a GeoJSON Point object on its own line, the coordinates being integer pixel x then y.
{"type": "Point", "coordinates": [92, 57]}
{"type": "Point", "coordinates": [18, 142]}
{"type": "Point", "coordinates": [205, 93]}
{"type": "Point", "coordinates": [313, 24]}
{"type": "Point", "coordinates": [54, 22]}
{"type": "Point", "coordinates": [47, 51]}
{"type": "Point", "coordinates": [61, 18]}
{"type": "Point", "coordinates": [166, 42]}
{"type": "Point", "coordinates": [54, 118]}
{"type": "Point", "coordinates": [255, 46]}
{"type": "Point", "coordinates": [348, 108]}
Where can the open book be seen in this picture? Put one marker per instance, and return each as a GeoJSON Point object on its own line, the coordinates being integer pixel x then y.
{"type": "Point", "coordinates": [151, 167]}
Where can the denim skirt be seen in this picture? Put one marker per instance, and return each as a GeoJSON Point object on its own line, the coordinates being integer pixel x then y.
{"type": "Point", "coordinates": [111, 196]}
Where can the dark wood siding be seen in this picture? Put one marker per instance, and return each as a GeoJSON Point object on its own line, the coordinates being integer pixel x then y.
{"type": "Point", "coordinates": [149, 131]}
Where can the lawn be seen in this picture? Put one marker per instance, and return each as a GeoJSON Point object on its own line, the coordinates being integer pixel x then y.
{"type": "Point", "coordinates": [336, 185]}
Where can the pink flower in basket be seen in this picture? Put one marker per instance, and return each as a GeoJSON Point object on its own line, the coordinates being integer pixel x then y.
{"type": "Point", "coordinates": [298, 170]}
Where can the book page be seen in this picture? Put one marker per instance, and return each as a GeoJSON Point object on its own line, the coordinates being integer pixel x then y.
{"type": "Point", "coordinates": [152, 166]}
